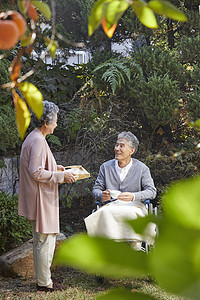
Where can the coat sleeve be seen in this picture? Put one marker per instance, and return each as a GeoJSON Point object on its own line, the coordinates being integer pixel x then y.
{"type": "Point", "coordinates": [99, 185]}
{"type": "Point", "coordinates": [148, 190]}
{"type": "Point", "coordinates": [37, 164]}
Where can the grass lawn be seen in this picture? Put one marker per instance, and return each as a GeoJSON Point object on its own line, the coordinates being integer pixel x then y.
{"type": "Point", "coordinates": [78, 286]}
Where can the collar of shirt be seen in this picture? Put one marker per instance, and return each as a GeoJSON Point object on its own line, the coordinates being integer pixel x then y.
{"type": "Point", "coordinates": [122, 172]}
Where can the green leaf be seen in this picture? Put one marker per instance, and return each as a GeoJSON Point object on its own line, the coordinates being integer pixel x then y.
{"type": "Point", "coordinates": [43, 8]}
{"type": "Point", "coordinates": [146, 227]}
{"type": "Point", "coordinates": [182, 204]}
{"type": "Point", "coordinates": [33, 97]}
{"type": "Point", "coordinates": [116, 72]}
{"type": "Point", "coordinates": [197, 124]}
{"type": "Point", "coordinates": [114, 11]}
{"type": "Point", "coordinates": [97, 14]}
{"type": "Point", "coordinates": [21, 6]}
{"type": "Point", "coordinates": [68, 227]}
{"type": "Point", "coordinates": [2, 164]}
{"type": "Point", "coordinates": [22, 114]}
{"type": "Point", "coordinates": [102, 256]}
{"type": "Point", "coordinates": [111, 9]}
{"type": "Point", "coordinates": [53, 47]}
{"type": "Point", "coordinates": [175, 260]}
{"type": "Point", "coordinates": [121, 294]}
{"type": "Point", "coordinates": [167, 9]}
{"type": "Point", "coordinates": [27, 38]}
{"type": "Point", "coordinates": [145, 14]}
{"type": "Point", "coordinates": [53, 139]}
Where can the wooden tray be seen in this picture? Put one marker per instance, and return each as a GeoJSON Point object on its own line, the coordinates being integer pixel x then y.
{"type": "Point", "coordinates": [79, 171]}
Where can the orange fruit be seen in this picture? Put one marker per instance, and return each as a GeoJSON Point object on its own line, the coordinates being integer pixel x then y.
{"type": "Point", "coordinates": [19, 20]}
{"type": "Point", "coordinates": [12, 26]}
{"type": "Point", "coordinates": [9, 34]}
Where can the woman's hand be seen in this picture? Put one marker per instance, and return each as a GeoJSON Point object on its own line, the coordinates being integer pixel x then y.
{"type": "Point", "coordinates": [69, 177]}
{"type": "Point", "coordinates": [60, 168]}
{"type": "Point", "coordinates": [126, 196]}
{"type": "Point", "coordinates": [106, 195]}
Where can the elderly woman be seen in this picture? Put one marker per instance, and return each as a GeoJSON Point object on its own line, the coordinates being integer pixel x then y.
{"type": "Point", "coordinates": [126, 179]}
{"type": "Point", "coordinates": [38, 193]}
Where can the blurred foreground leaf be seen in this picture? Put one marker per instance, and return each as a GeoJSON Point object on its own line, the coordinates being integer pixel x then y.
{"type": "Point", "coordinates": [139, 225]}
{"type": "Point", "coordinates": [167, 9]}
{"type": "Point", "coordinates": [175, 261]}
{"type": "Point", "coordinates": [182, 203]}
{"type": "Point", "coordinates": [102, 256]}
{"type": "Point", "coordinates": [22, 113]}
{"type": "Point", "coordinates": [53, 47]}
{"type": "Point", "coordinates": [33, 97]}
{"type": "Point", "coordinates": [121, 293]}
{"type": "Point", "coordinates": [145, 14]}
{"type": "Point", "coordinates": [43, 8]}
{"type": "Point", "coordinates": [108, 11]}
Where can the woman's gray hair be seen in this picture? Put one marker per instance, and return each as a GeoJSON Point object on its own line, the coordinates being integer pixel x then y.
{"type": "Point", "coordinates": [131, 138]}
{"type": "Point", "coordinates": [50, 111]}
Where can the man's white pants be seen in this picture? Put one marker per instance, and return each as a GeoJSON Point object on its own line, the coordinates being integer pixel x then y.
{"type": "Point", "coordinates": [43, 251]}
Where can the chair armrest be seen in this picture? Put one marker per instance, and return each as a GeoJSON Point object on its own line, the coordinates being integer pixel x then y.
{"type": "Point", "coordinates": [147, 201]}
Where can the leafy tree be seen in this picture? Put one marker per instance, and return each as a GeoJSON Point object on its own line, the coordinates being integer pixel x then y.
{"type": "Point", "coordinates": [59, 83]}
{"type": "Point", "coordinates": [4, 77]}
{"type": "Point", "coordinates": [10, 140]}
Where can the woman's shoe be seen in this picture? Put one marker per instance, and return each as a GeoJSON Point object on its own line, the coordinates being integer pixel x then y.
{"type": "Point", "coordinates": [56, 287]}
{"type": "Point", "coordinates": [44, 289]}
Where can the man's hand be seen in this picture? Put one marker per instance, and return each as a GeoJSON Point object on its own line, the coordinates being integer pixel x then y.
{"type": "Point", "coordinates": [69, 177]}
{"type": "Point", "coordinates": [106, 195]}
{"type": "Point", "coordinates": [60, 168]}
{"type": "Point", "coordinates": [126, 196]}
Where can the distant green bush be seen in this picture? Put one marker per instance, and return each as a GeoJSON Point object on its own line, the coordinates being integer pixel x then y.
{"type": "Point", "coordinates": [5, 95]}
{"type": "Point", "coordinates": [8, 130]}
{"type": "Point", "coordinates": [159, 100]}
{"type": "Point", "coordinates": [13, 228]}
{"type": "Point", "coordinates": [194, 105]}
{"type": "Point", "coordinates": [189, 48]}
{"type": "Point", "coordinates": [160, 62]}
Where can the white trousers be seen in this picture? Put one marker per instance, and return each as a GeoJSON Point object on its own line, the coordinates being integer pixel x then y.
{"type": "Point", "coordinates": [43, 251]}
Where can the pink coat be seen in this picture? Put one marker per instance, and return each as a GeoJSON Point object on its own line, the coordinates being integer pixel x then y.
{"type": "Point", "coordinates": [38, 184]}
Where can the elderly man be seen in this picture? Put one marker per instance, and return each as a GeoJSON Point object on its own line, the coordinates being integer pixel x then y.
{"type": "Point", "coordinates": [127, 179]}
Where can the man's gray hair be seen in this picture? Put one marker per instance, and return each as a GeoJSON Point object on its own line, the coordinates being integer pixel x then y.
{"type": "Point", "coordinates": [131, 138]}
{"type": "Point", "coordinates": [50, 111]}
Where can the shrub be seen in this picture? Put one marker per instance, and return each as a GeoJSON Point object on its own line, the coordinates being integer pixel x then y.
{"type": "Point", "coordinates": [194, 105]}
{"type": "Point", "coordinates": [159, 100]}
{"type": "Point", "coordinates": [8, 130]}
{"type": "Point", "coordinates": [13, 228]}
{"type": "Point", "coordinates": [159, 62]}
{"type": "Point", "coordinates": [166, 170]}
{"type": "Point", "coordinates": [5, 95]}
{"type": "Point", "coordinates": [189, 48]}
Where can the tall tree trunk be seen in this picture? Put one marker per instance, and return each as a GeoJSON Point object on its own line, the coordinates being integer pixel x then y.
{"type": "Point", "coordinates": [170, 34]}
